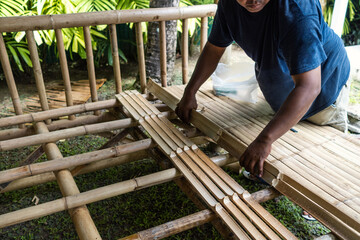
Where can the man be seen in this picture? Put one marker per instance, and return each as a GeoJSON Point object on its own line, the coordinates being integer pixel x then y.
{"type": "Point", "coordinates": [301, 64]}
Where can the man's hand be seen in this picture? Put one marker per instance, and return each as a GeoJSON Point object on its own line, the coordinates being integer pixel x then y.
{"type": "Point", "coordinates": [254, 156]}
{"type": "Point", "coordinates": [185, 106]}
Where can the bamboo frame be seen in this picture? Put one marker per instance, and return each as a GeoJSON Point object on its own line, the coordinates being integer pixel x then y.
{"type": "Point", "coordinates": [64, 69]}
{"type": "Point", "coordinates": [115, 57]}
{"type": "Point", "coordinates": [204, 31]}
{"type": "Point", "coordinates": [163, 57]}
{"type": "Point", "coordinates": [185, 50]}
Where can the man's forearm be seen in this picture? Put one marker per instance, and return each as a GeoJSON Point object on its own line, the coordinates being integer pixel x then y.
{"type": "Point", "coordinates": [205, 66]}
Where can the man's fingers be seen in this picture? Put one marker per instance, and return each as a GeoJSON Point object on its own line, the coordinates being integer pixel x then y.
{"type": "Point", "coordinates": [261, 167]}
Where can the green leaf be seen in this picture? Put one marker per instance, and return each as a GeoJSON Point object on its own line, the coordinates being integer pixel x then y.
{"type": "Point", "coordinates": [16, 57]}
{"type": "Point", "coordinates": [24, 53]}
{"type": "Point", "coordinates": [122, 55]}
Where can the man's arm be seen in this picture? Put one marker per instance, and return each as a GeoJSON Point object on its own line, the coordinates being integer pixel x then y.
{"type": "Point", "coordinates": [205, 66]}
{"type": "Point", "coordinates": [307, 88]}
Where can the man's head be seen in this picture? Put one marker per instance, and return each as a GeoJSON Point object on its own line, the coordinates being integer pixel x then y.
{"type": "Point", "coordinates": [253, 5]}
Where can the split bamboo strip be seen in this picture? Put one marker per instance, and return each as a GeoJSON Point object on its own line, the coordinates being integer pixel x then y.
{"type": "Point", "coordinates": [37, 71]}
{"type": "Point", "coordinates": [66, 133]}
{"type": "Point", "coordinates": [174, 227]}
{"type": "Point", "coordinates": [336, 225]}
{"type": "Point", "coordinates": [145, 107]}
{"type": "Point", "coordinates": [64, 69]}
{"type": "Point", "coordinates": [168, 131]}
{"type": "Point", "coordinates": [46, 22]}
{"type": "Point", "coordinates": [152, 107]}
{"type": "Point", "coordinates": [84, 225]}
{"type": "Point", "coordinates": [185, 50]}
{"type": "Point", "coordinates": [265, 195]}
{"type": "Point", "coordinates": [121, 98]}
{"type": "Point", "coordinates": [163, 56]}
{"type": "Point", "coordinates": [204, 32]}
{"type": "Point", "coordinates": [72, 161]}
{"type": "Point", "coordinates": [210, 185]}
{"type": "Point", "coordinates": [10, 81]}
{"type": "Point", "coordinates": [161, 132]}
{"type": "Point", "coordinates": [134, 105]}
{"type": "Point", "coordinates": [175, 131]}
{"type": "Point", "coordinates": [141, 56]}
{"type": "Point", "coordinates": [55, 113]}
{"type": "Point", "coordinates": [237, 230]}
{"type": "Point", "coordinates": [115, 57]}
{"type": "Point", "coordinates": [90, 65]}
{"type": "Point", "coordinates": [242, 220]}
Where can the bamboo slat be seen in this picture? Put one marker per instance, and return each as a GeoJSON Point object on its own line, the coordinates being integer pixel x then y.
{"type": "Point", "coordinates": [204, 32]}
{"type": "Point", "coordinates": [37, 71]}
{"type": "Point", "coordinates": [10, 81]}
{"type": "Point", "coordinates": [163, 56]}
{"type": "Point", "coordinates": [185, 50]}
{"type": "Point", "coordinates": [115, 57]}
{"type": "Point", "coordinates": [141, 56]}
{"type": "Point", "coordinates": [90, 65]}
{"type": "Point", "coordinates": [64, 69]}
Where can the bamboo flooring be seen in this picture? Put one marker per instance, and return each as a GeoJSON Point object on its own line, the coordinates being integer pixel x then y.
{"type": "Point", "coordinates": [317, 167]}
{"type": "Point", "coordinates": [218, 190]}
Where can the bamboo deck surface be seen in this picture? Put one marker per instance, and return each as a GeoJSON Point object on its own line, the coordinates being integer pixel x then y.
{"type": "Point", "coordinates": [80, 91]}
{"type": "Point", "coordinates": [316, 167]}
{"type": "Point", "coordinates": [244, 216]}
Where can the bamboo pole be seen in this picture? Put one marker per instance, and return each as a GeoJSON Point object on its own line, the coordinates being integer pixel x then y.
{"type": "Point", "coordinates": [163, 53]}
{"type": "Point", "coordinates": [185, 50]}
{"type": "Point", "coordinates": [10, 81]}
{"type": "Point", "coordinates": [72, 161]}
{"type": "Point", "coordinates": [37, 72]}
{"type": "Point", "coordinates": [115, 57]}
{"type": "Point", "coordinates": [45, 22]}
{"type": "Point", "coordinates": [64, 69]}
{"type": "Point", "coordinates": [84, 225]}
{"type": "Point", "coordinates": [90, 65]}
{"type": "Point", "coordinates": [174, 227]}
{"type": "Point", "coordinates": [66, 133]}
{"type": "Point", "coordinates": [55, 113]}
{"type": "Point", "coordinates": [265, 195]}
{"type": "Point", "coordinates": [141, 56]}
{"type": "Point", "coordinates": [204, 30]}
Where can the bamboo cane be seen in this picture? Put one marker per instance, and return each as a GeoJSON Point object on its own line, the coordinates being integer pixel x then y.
{"type": "Point", "coordinates": [204, 30]}
{"type": "Point", "coordinates": [64, 69]}
{"type": "Point", "coordinates": [90, 65]}
{"type": "Point", "coordinates": [72, 161]}
{"type": "Point", "coordinates": [163, 53]}
{"type": "Point", "coordinates": [55, 113]}
{"type": "Point", "coordinates": [115, 57]}
{"type": "Point", "coordinates": [15, 24]}
{"type": "Point", "coordinates": [66, 133]}
{"type": "Point", "coordinates": [84, 225]}
{"type": "Point", "coordinates": [185, 50]}
{"type": "Point", "coordinates": [10, 81]}
{"type": "Point", "coordinates": [141, 56]}
{"type": "Point", "coordinates": [37, 71]}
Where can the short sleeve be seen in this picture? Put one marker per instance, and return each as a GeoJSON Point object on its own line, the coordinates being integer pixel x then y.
{"type": "Point", "coordinates": [302, 46]}
{"type": "Point", "coordinates": [220, 35]}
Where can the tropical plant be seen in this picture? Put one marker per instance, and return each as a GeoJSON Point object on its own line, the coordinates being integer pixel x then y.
{"type": "Point", "coordinates": [18, 51]}
{"type": "Point", "coordinates": [11, 7]}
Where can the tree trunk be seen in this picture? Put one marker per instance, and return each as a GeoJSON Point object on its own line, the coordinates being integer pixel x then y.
{"type": "Point", "coordinates": [153, 44]}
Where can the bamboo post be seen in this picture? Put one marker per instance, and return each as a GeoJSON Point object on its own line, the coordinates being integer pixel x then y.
{"type": "Point", "coordinates": [90, 65]}
{"type": "Point", "coordinates": [10, 81]}
{"type": "Point", "coordinates": [64, 69]}
{"type": "Point", "coordinates": [141, 56]}
{"type": "Point", "coordinates": [185, 50]}
{"type": "Point", "coordinates": [115, 57]}
{"type": "Point", "coordinates": [204, 29]}
{"type": "Point", "coordinates": [163, 53]}
{"type": "Point", "coordinates": [84, 225]}
{"type": "Point", "coordinates": [37, 71]}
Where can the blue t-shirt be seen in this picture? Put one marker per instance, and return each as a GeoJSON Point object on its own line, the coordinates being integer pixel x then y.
{"type": "Point", "coordinates": [285, 38]}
